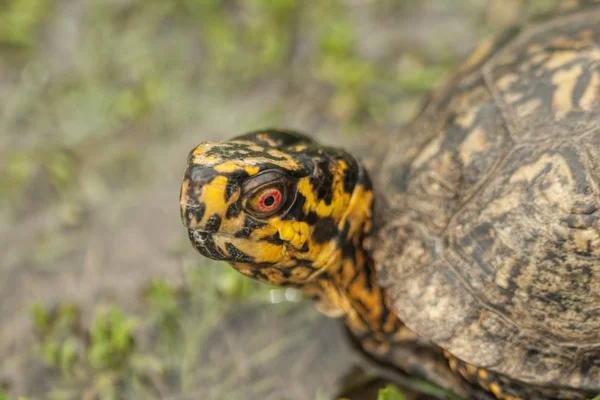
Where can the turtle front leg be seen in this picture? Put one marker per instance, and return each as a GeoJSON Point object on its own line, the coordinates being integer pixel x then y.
{"type": "Point", "coordinates": [407, 352]}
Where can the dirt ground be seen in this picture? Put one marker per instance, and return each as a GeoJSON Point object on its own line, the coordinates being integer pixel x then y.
{"type": "Point", "coordinates": [100, 102]}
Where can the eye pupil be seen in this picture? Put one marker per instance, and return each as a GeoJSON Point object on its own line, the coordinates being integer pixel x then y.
{"type": "Point", "coordinates": [269, 201]}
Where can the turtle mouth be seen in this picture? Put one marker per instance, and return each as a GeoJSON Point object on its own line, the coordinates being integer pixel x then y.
{"type": "Point", "coordinates": [205, 244]}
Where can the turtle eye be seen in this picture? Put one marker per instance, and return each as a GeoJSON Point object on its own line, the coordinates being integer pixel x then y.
{"type": "Point", "coordinates": [266, 201]}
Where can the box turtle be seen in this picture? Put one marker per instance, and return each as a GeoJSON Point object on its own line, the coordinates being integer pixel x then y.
{"type": "Point", "coordinates": [467, 249]}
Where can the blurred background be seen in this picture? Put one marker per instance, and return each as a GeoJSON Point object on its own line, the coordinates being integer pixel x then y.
{"type": "Point", "coordinates": [101, 294]}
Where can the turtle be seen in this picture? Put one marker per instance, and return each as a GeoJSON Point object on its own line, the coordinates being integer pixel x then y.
{"type": "Point", "coordinates": [465, 249]}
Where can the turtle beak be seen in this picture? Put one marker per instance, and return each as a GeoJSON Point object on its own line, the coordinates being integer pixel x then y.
{"type": "Point", "coordinates": [205, 244]}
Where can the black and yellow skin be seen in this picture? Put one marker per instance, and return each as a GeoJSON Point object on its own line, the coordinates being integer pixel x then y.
{"type": "Point", "coordinates": [473, 257]}
{"type": "Point", "coordinates": [308, 232]}
{"type": "Point", "coordinates": [317, 238]}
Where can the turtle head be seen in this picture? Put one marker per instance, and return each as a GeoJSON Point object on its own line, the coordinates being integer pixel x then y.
{"type": "Point", "coordinates": [276, 205]}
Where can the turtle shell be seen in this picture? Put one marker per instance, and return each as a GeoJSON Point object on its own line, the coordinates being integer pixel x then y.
{"type": "Point", "coordinates": [490, 246]}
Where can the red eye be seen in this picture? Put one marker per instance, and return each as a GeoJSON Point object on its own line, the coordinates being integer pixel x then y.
{"type": "Point", "coordinates": [268, 200]}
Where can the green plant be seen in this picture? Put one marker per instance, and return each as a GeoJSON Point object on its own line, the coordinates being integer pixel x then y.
{"type": "Point", "coordinates": [103, 360]}
{"type": "Point", "coordinates": [20, 19]}
{"type": "Point", "coordinates": [390, 392]}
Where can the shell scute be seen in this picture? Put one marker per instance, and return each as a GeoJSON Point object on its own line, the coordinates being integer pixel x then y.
{"type": "Point", "coordinates": [504, 200]}
{"type": "Point", "coordinates": [548, 81]}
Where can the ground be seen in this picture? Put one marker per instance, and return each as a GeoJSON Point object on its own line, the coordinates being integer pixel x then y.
{"type": "Point", "coordinates": [101, 294]}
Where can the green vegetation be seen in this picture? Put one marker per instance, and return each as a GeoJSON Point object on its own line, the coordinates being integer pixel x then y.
{"type": "Point", "coordinates": [20, 20]}
{"type": "Point", "coordinates": [4, 396]}
{"type": "Point", "coordinates": [114, 357]}
{"type": "Point", "coordinates": [390, 393]}
{"type": "Point", "coordinates": [248, 43]}
{"type": "Point", "coordinates": [102, 361]}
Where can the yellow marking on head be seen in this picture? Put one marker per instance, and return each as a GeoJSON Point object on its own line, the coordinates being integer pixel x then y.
{"type": "Point", "coordinates": [301, 273]}
{"type": "Point", "coordinates": [203, 148]}
{"type": "Point", "coordinates": [206, 160]}
{"type": "Point", "coordinates": [263, 232]}
{"type": "Point", "coordinates": [294, 232]}
{"type": "Point", "coordinates": [326, 255]}
{"type": "Point", "coordinates": [266, 138]}
{"type": "Point", "coordinates": [348, 270]}
{"type": "Point", "coordinates": [231, 224]}
{"type": "Point", "coordinates": [305, 188]}
{"type": "Point", "coordinates": [235, 165]}
{"type": "Point", "coordinates": [360, 208]}
{"type": "Point", "coordinates": [286, 231]}
{"type": "Point", "coordinates": [213, 197]}
{"type": "Point", "coordinates": [340, 199]}
{"type": "Point", "coordinates": [214, 193]}
{"type": "Point", "coordinates": [299, 147]}
{"type": "Point", "coordinates": [281, 154]}
{"type": "Point", "coordinates": [200, 157]}
{"type": "Point", "coordinates": [269, 252]}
